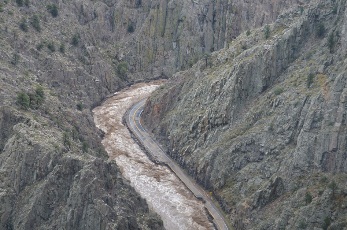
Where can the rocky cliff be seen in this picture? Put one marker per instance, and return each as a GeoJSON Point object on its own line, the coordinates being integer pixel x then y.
{"type": "Point", "coordinates": [52, 178]}
{"type": "Point", "coordinates": [262, 122]}
{"type": "Point", "coordinates": [60, 58]}
{"type": "Point", "coordinates": [55, 63]}
{"type": "Point", "coordinates": [87, 49]}
{"type": "Point", "coordinates": [175, 34]}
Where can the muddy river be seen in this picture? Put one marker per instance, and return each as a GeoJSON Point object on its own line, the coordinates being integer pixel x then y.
{"type": "Point", "coordinates": [164, 192]}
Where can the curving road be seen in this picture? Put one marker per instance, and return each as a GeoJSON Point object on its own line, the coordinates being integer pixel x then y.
{"type": "Point", "coordinates": [133, 120]}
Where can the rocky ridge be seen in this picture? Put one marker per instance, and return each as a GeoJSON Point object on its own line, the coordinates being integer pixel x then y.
{"type": "Point", "coordinates": [51, 180]}
{"type": "Point", "coordinates": [78, 52]}
{"type": "Point", "coordinates": [53, 169]}
{"type": "Point", "coordinates": [261, 123]}
{"type": "Point", "coordinates": [105, 45]}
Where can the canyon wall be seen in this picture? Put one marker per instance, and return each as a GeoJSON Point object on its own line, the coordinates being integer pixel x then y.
{"type": "Point", "coordinates": [262, 122]}
{"type": "Point", "coordinates": [53, 168]}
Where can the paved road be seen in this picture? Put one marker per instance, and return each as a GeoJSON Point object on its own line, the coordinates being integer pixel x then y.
{"type": "Point", "coordinates": [134, 123]}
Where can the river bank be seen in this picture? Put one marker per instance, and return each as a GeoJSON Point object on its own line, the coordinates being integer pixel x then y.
{"type": "Point", "coordinates": [163, 191]}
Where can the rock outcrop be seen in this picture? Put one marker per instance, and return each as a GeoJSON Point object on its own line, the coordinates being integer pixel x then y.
{"type": "Point", "coordinates": [261, 123]}
{"type": "Point", "coordinates": [54, 172]}
{"type": "Point", "coordinates": [92, 48]}
{"type": "Point", "coordinates": [175, 34]}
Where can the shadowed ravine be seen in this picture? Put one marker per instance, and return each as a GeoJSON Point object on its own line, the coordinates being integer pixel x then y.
{"type": "Point", "coordinates": [164, 192]}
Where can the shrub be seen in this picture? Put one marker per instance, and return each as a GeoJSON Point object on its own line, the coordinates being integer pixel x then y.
{"type": "Point", "coordinates": [39, 92]}
{"type": "Point", "coordinates": [324, 179]}
{"type": "Point", "coordinates": [33, 101]}
{"type": "Point", "coordinates": [308, 198]}
{"type": "Point", "coordinates": [23, 100]}
{"type": "Point", "coordinates": [51, 46]}
{"type": "Point", "coordinates": [131, 27]}
{"type": "Point", "coordinates": [326, 223]}
{"type": "Point", "coordinates": [138, 3]}
{"type": "Point", "coordinates": [20, 2]}
{"type": "Point", "coordinates": [75, 133]}
{"type": "Point", "coordinates": [75, 40]}
{"type": "Point", "coordinates": [207, 57]}
{"type": "Point", "coordinates": [23, 25]}
{"type": "Point", "coordinates": [35, 22]}
{"type": "Point", "coordinates": [40, 46]}
{"type": "Point", "coordinates": [83, 59]}
{"type": "Point", "coordinates": [37, 98]}
{"type": "Point", "coordinates": [85, 146]}
{"type": "Point", "coordinates": [27, 3]}
{"type": "Point", "coordinates": [309, 80]}
{"type": "Point", "coordinates": [267, 31]}
{"type": "Point", "coordinates": [248, 33]}
{"type": "Point", "coordinates": [66, 139]}
{"type": "Point", "coordinates": [302, 225]}
{"type": "Point", "coordinates": [331, 42]}
{"type": "Point", "coordinates": [278, 91]}
{"type": "Point", "coordinates": [333, 186]}
{"type": "Point", "coordinates": [79, 106]}
{"type": "Point", "coordinates": [53, 9]}
{"type": "Point", "coordinates": [1, 8]}
{"type": "Point", "coordinates": [122, 69]}
{"type": "Point", "coordinates": [15, 59]}
{"type": "Point", "coordinates": [62, 48]}
{"type": "Point", "coordinates": [320, 30]}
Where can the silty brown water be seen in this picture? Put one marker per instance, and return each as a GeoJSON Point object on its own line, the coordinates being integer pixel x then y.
{"type": "Point", "coordinates": [164, 192]}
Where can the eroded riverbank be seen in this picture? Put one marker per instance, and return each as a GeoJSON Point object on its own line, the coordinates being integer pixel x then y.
{"type": "Point", "coordinates": [164, 192]}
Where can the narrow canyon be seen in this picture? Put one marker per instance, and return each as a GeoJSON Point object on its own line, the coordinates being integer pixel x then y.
{"type": "Point", "coordinates": [163, 191]}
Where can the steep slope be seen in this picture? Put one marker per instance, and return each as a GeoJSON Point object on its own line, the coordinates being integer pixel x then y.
{"type": "Point", "coordinates": [51, 178]}
{"type": "Point", "coordinates": [87, 49]}
{"type": "Point", "coordinates": [175, 34]}
{"type": "Point", "coordinates": [58, 59]}
{"type": "Point", "coordinates": [262, 125]}
{"type": "Point", "coordinates": [54, 173]}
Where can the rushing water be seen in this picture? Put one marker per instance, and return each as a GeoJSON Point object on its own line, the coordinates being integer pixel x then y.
{"type": "Point", "coordinates": [164, 192]}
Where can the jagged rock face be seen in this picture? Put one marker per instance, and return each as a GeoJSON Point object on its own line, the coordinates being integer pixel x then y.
{"type": "Point", "coordinates": [54, 173]}
{"type": "Point", "coordinates": [154, 38]}
{"type": "Point", "coordinates": [262, 123]}
{"type": "Point", "coordinates": [49, 178]}
{"type": "Point", "coordinates": [175, 34]}
{"type": "Point", "coordinates": [47, 184]}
